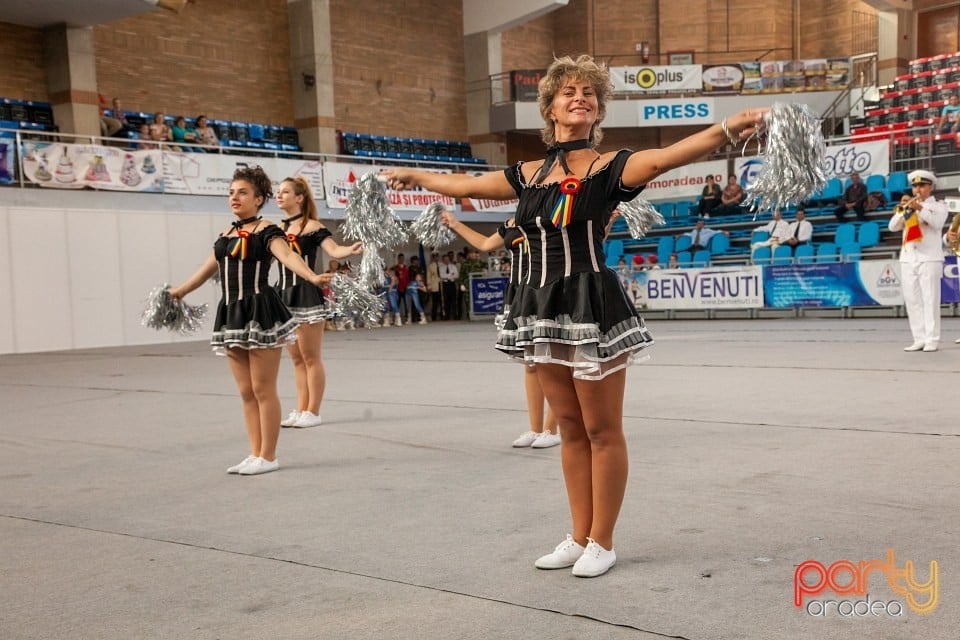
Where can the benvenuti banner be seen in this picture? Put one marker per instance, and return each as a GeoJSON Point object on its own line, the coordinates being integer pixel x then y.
{"type": "Point", "coordinates": [710, 288]}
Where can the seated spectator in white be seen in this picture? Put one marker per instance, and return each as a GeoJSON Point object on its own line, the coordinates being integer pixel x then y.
{"type": "Point", "coordinates": [949, 116]}
{"type": "Point", "coordinates": [205, 133]}
{"type": "Point", "coordinates": [700, 235]}
{"type": "Point", "coordinates": [779, 231]}
{"type": "Point", "coordinates": [109, 125]}
{"type": "Point", "coordinates": [854, 198]}
{"type": "Point", "coordinates": [159, 131]}
{"type": "Point", "coordinates": [182, 134]}
{"type": "Point", "coordinates": [709, 197]}
{"type": "Point", "coordinates": [730, 198]}
{"type": "Point", "coordinates": [800, 230]}
{"type": "Point", "coordinates": [121, 117]}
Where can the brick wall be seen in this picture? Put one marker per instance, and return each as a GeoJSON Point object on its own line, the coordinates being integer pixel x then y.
{"type": "Point", "coordinates": [398, 70]}
{"type": "Point", "coordinates": [22, 75]}
{"type": "Point", "coordinates": [227, 59]}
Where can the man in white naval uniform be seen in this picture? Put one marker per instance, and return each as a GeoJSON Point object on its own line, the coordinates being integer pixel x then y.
{"type": "Point", "coordinates": [921, 260]}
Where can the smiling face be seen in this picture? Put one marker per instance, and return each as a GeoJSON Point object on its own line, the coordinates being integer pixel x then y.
{"type": "Point", "coordinates": [244, 202]}
{"type": "Point", "coordinates": [287, 198]}
{"type": "Point", "coordinates": [575, 108]}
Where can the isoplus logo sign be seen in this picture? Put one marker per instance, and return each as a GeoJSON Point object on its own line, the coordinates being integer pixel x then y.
{"type": "Point", "coordinates": [846, 578]}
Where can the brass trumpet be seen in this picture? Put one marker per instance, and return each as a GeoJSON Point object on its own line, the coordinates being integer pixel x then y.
{"type": "Point", "coordinates": [954, 226]}
{"type": "Point", "coordinates": [913, 204]}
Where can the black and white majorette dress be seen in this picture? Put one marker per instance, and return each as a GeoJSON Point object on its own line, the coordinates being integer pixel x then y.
{"type": "Point", "coordinates": [514, 242]}
{"type": "Point", "coordinates": [251, 314]}
{"type": "Point", "coordinates": [304, 299]}
{"type": "Point", "coordinates": [569, 307]}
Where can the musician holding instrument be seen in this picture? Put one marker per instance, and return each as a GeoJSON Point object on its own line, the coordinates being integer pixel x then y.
{"type": "Point", "coordinates": [921, 219]}
{"type": "Point", "coordinates": [951, 240]}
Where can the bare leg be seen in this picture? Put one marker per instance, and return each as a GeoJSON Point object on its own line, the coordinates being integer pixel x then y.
{"type": "Point", "coordinates": [299, 373]}
{"type": "Point", "coordinates": [601, 403]}
{"type": "Point", "coordinates": [550, 422]}
{"type": "Point", "coordinates": [558, 387]}
{"type": "Point", "coordinates": [534, 398]}
{"type": "Point", "coordinates": [240, 366]}
{"type": "Point", "coordinates": [310, 339]}
{"type": "Point", "coordinates": [264, 368]}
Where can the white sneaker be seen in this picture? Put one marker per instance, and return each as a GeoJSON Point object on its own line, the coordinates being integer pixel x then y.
{"type": "Point", "coordinates": [526, 439]}
{"type": "Point", "coordinates": [957, 340]}
{"type": "Point", "coordinates": [290, 420]}
{"type": "Point", "coordinates": [423, 320]}
{"type": "Point", "coordinates": [546, 440]}
{"type": "Point", "coordinates": [595, 561]}
{"type": "Point", "coordinates": [236, 468]}
{"type": "Point", "coordinates": [564, 555]}
{"type": "Point", "coordinates": [399, 321]}
{"type": "Point", "coordinates": [257, 466]}
{"type": "Point", "coordinates": [930, 346]}
{"type": "Point", "coordinates": [306, 420]}
{"type": "Point", "coordinates": [916, 346]}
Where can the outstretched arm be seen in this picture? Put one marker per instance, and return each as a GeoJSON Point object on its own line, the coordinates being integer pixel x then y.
{"type": "Point", "coordinates": [644, 166]}
{"type": "Point", "coordinates": [204, 273]}
{"type": "Point", "coordinates": [339, 251]}
{"type": "Point", "coordinates": [281, 250]}
{"type": "Point", "coordinates": [491, 185]}
{"type": "Point", "coordinates": [475, 238]}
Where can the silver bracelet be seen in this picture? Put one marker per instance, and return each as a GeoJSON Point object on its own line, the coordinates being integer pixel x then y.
{"type": "Point", "coordinates": [733, 140]}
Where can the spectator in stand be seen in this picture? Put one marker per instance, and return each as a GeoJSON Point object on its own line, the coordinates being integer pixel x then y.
{"type": "Point", "coordinates": [403, 278]}
{"type": "Point", "coordinates": [144, 138]}
{"type": "Point", "coordinates": [730, 198]}
{"type": "Point", "coordinates": [800, 230]}
{"type": "Point", "coordinates": [709, 197]}
{"type": "Point", "coordinates": [159, 131]}
{"type": "Point", "coordinates": [652, 261]}
{"type": "Point", "coordinates": [391, 284]}
{"type": "Point", "coordinates": [473, 264]}
{"type": "Point", "coordinates": [779, 231]}
{"type": "Point", "coordinates": [433, 285]}
{"type": "Point", "coordinates": [700, 235]}
{"type": "Point", "coordinates": [854, 198]}
{"type": "Point", "coordinates": [205, 133]}
{"type": "Point", "coordinates": [949, 115]}
{"type": "Point", "coordinates": [183, 134]}
{"type": "Point", "coordinates": [674, 262]}
{"type": "Point", "coordinates": [449, 274]}
{"type": "Point", "coordinates": [108, 124]}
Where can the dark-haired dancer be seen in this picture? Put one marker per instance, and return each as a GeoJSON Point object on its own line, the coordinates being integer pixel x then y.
{"type": "Point", "coordinates": [252, 322]}
{"type": "Point", "coordinates": [305, 235]}
{"type": "Point", "coordinates": [570, 315]}
{"type": "Point", "coordinates": [541, 434]}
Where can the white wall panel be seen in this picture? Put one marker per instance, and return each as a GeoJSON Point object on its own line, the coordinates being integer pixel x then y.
{"type": "Point", "coordinates": [191, 238]}
{"type": "Point", "coordinates": [7, 332]}
{"type": "Point", "coordinates": [40, 271]}
{"type": "Point", "coordinates": [92, 247]}
{"type": "Point", "coordinates": [144, 258]}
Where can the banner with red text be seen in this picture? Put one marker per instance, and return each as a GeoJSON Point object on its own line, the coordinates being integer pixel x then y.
{"type": "Point", "coordinates": [685, 182]}
{"type": "Point", "coordinates": [339, 178]}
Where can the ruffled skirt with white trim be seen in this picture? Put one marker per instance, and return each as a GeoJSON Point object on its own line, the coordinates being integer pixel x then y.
{"type": "Point", "coordinates": [259, 321]}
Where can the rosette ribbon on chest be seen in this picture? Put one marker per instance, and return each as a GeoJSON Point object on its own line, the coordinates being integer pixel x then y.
{"type": "Point", "coordinates": [563, 210]}
{"type": "Point", "coordinates": [239, 248]}
{"type": "Point", "coordinates": [294, 241]}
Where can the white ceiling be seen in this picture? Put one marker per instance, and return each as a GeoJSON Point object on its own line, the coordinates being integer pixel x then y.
{"type": "Point", "coordinates": [73, 13]}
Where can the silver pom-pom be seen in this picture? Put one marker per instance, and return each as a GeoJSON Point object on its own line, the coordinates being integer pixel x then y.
{"type": "Point", "coordinates": [429, 229]}
{"type": "Point", "coordinates": [641, 216]}
{"type": "Point", "coordinates": [351, 297]}
{"type": "Point", "coordinates": [162, 311]}
{"type": "Point", "coordinates": [371, 268]}
{"type": "Point", "coordinates": [368, 217]}
{"type": "Point", "coordinates": [794, 165]}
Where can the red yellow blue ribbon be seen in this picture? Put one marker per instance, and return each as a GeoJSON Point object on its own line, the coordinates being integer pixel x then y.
{"type": "Point", "coordinates": [911, 229]}
{"type": "Point", "coordinates": [294, 242]}
{"type": "Point", "coordinates": [563, 209]}
{"type": "Point", "coordinates": [239, 248]}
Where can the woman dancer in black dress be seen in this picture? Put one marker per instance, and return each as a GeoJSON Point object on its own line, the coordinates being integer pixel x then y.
{"type": "Point", "coordinates": [570, 315]}
{"type": "Point", "coordinates": [540, 435]}
{"type": "Point", "coordinates": [252, 322]}
{"type": "Point", "coordinates": [305, 235]}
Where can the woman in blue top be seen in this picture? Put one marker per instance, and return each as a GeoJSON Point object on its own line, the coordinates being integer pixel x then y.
{"type": "Point", "coordinates": [570, 315]}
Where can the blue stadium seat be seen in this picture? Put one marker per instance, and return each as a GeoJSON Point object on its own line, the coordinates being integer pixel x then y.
{"type": "Point", "coordinates": [664, 249]}
{"type": "Point", "coordinates": [613, 249]}
{"type": "Point", "coordinates": [876, 182]}
{"type": "Point", "coordinates": [849, 252]}
{"type": "Point", "coordinates": [826, 252]}
{"type": "Point", "coordinates": [683, 243]}
{"type": "Point", "coordinates": [701, 258]}
{"type": "Point", "coordinates": [683, 208]}
{"type": "Point", "coordinates": [239, 131]}
{"type": "Point", "coordinates": [832, 192]}
{"type": "Point", "coordinates": [667, 209]}
{"type": "Point", "coordinates": [349, 143]}
{"type": "Point", "coordinates": [255, 132]}
{"type": "Point", "coordinates": [897, 184]}
{"type": "Point", "coordinates": [869, 234]}
{"type": "Point", "coordinates": [804, 254]}
{"type": "Point", "coordinates": [761, 255]}
{"type": "Point", "coordinates": [759, 236]}
{"type": "Point", "coordinates": [783, 254]}
{"type": "Point", "coordinates": [846, 232]}
{"type": "Point", "coordinates": [719, 244]}
{"type": "Point", "coordinates": [684, 259]}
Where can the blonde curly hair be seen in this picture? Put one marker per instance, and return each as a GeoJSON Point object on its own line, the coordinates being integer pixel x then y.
{"type": "Point", "coordinates": [560, 72]}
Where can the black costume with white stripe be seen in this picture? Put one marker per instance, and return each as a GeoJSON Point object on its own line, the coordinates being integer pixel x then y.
{"type": "Point", "coordinates": [304, 299]}
{"type": "Point", "coordinates": [569, 307]}
{"type": "Point", "coordinates": [251, 314]}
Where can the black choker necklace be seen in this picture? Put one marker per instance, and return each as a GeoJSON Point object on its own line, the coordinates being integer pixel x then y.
{"type": "Point", "coordinates": [239, 223]}
{"type": "Point", "coordinates": [286, 221]}
{"type": "Point", "coordinates": [557, 153]}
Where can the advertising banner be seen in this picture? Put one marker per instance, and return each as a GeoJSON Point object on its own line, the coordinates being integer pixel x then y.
{"type": "Point", "coordinates": [486, 294]}
{"type": "Point", "coordinates": [488, 206]}
{"type": "Point", "coordinates": [75, 166]}
{"type": "Point", "coordinates": [675, 78]}
{"type": "Point", "coordinates": [339, 178]}
{"type": "Point", "coordinates": [685, 182]}
{"type": "Point", "coordinates": [210, 174]}
{"type": "Point", "coordinates": [681, 111]}
{"type": "Point", "coordinates": [523, 84]}
{"type": "Point", "coordinates": [866, 158]}
{"type": "Point", "coordinates": [7, 143]}
{"type": "Point", "coordinates": [722, 78]}
{"type": "Point", "coordinates": [710, 288]}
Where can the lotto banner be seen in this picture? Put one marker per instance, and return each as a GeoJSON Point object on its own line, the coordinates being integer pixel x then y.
{"type": "Point", "coordinates": [866, 158]}
{"type": "Point", "coordinates": [710, 288]}
{"type": "Point", "coordinates": [75, 166]}
{"type": "Point", "coordinates": [210, 174]}
{"type": "Point", "coordinates": [339, 178]}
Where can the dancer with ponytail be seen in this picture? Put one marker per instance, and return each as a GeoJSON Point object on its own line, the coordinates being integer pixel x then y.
{"type": "Point", "coordinates": [305, 235]}
{"type": "Point", "coordinates": [252, 323]}
{"type": "Point", "coordinates": [541, 434]}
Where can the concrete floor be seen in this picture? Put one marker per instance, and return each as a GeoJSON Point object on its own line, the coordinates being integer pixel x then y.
{"type": "Point", "coordinates": [754, 446]}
